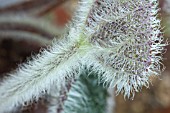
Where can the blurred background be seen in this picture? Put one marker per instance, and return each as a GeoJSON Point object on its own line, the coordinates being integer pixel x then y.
{"type": "Point", "coordinates": [26, 26]}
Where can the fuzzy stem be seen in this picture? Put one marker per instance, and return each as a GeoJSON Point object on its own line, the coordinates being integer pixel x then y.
{"type": "Point", "coordinates": [57, 98]}
{"type": "Point", "coordinates": [34, 78]}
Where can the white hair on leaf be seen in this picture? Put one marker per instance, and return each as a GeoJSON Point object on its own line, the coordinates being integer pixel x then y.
{"type": "Point", "coordinates": [126, 35]}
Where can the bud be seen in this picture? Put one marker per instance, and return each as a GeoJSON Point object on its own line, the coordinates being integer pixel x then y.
{"type": "Point", "coordinates": [128, 39]}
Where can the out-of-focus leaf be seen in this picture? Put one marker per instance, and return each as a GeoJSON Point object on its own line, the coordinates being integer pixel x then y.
{"type": "Point", "coordinates": [27, 28]}
{"type": "Point", "coordinates": [86, 95]}
{"type": "Point", "coordinates": [34, 7]}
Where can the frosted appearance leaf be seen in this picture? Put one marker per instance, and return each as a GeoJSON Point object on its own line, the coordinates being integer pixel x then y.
{"type": "Point", "coordinates": [86, 96]}
{"type": "Point", "coordinates": [58, 63]}
{"type": "Point", "coordinates": [128, 39]}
